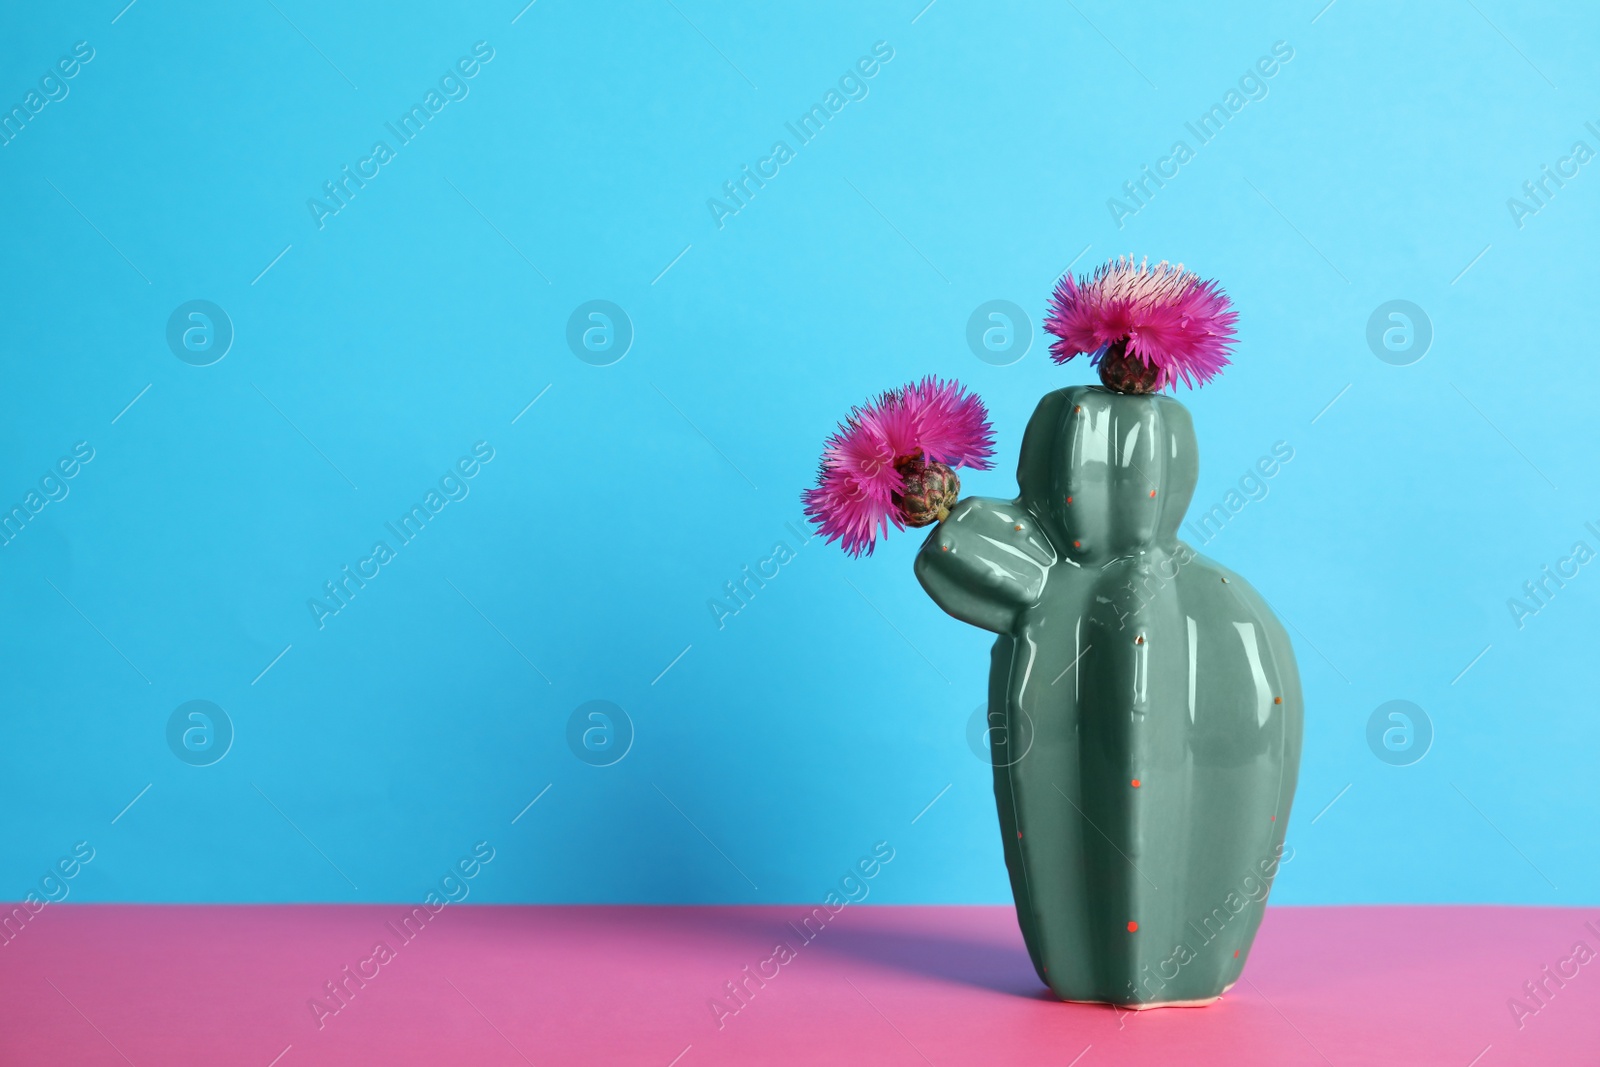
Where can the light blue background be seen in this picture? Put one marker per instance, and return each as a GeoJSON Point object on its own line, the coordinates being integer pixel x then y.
{"type": "Point", "coordinates": [829, 712]}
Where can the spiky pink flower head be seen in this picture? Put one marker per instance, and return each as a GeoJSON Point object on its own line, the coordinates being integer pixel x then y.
{"type": "Point", "coordinates": [1163, 317]}
{"type": "Point", "coordinates": [890, 462]}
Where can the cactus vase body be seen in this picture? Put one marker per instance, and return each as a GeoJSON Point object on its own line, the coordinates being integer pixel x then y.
{"type": "Point", "coordinates": [1144, 706]}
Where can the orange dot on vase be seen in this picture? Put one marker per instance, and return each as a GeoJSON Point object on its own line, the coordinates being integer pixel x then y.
{"type": "Point", "coordinates": [1019, 835]}
{"type": "Point", "coordinates": [1136, 783]}
{"type": "Point", "coordinates": [1272, 818]}
{"type": "Point", "coordinates": [1139, 640]}
{"type": "Point", "coordinates": [1152, 494]}
{"type": "Point", "coordinates": [1133, 927]}
{"type": "Point", "coordinates": [1019, 525]}
{"type": "Point", "coordinates": [1277, 700]}
{"type": "Point", "coordinates": [944, 548]}
{"type": "Point", "coordinates": [1069, 500]}
{"type": "Point", "coordinates": [1077, 544]}
{"type": "Point", "coordinates": [1235, 953]}
{"type": "Point", "coordinates": [1077, 408]}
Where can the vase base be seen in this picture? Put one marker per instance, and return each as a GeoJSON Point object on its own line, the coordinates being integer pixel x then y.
{"type": "Point", "coordinates": [1146, 1006]}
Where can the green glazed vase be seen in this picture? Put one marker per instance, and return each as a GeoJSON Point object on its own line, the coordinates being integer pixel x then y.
{"type": "Point", "coordinates": [1144, 706]}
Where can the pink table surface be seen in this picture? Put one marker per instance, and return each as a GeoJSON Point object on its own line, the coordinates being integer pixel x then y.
{"type": "Point", "coordinates": [190, 985]}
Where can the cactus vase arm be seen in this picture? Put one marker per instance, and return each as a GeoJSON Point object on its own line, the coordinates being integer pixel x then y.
{"type": "Point", "coordinates": [986, 561]}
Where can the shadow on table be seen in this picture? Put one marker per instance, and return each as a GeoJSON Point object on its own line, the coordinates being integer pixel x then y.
{"type": "Point", "coordinates": [947, 957]}
{"type": "Point", "coordinates": [999, 964]}
{"type": "Point", "coordinates": [979, 954]}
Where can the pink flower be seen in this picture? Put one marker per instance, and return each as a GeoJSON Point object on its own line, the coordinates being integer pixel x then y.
{"type": "Point", "coordinates": [952, 426]}
{"type": "Point", "coordinates": [1172, 320]}
{"type": "Point", "coordinates": [854, 500]}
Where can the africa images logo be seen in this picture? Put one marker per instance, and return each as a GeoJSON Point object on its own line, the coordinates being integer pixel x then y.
{"type": "Point", "coordinates": [454, 486]}
{"type": "Point", "coordinates": [338, 192]}
{"type": "Point", "coordinates": [852, 85]}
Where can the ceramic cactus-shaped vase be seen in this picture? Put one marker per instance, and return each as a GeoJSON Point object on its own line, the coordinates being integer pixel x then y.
{"type": "Point", "coordinates": [1145, 706]}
